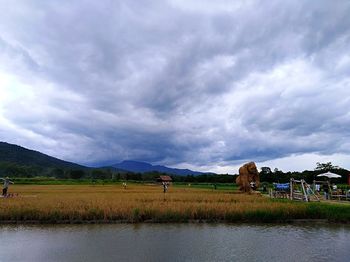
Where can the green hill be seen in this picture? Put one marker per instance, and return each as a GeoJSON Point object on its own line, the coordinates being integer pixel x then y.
{"type": "Point", "coordinates": [14, 154]}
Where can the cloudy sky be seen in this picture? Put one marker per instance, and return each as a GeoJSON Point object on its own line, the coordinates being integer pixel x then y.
{"type": "Point", "coordinates": [206, 85]}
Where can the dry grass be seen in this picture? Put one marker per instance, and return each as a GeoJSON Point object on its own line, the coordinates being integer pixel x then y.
{"type": "Point", "coordinates": [67, 203]}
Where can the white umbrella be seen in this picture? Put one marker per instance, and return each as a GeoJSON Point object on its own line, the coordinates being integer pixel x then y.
{"type": "Point", "coordinates": [330, 175]}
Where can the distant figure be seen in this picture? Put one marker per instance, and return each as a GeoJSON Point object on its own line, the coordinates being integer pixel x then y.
{"type": "Point", "coordinates": [215, 186]}
{"type": "Point", "coordinates": [308, 189]}
{"type": "Point", "coordinates": [252, 185]}
{"type": "Point", "coordinates": [7, 182]}
{"type": "Point", "coordinates": [165, 187]}
{"type": "Point", "coordinates": [317, 187]}
{"type": "Point", "coordinates": [264, 188]}
{"type": "Point", "coordinates": [124, 185]}
{"type": "Point", "coordinates": [325, 191]}
{"type": "Point", "coordinates": [335, 187]}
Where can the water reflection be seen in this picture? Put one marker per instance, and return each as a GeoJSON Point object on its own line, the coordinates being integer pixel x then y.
{"type": "Point", "coordinates": [182, 242]}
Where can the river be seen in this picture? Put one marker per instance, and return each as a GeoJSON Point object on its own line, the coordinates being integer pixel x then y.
{"type": "Point", "coordinates": [179, 242]}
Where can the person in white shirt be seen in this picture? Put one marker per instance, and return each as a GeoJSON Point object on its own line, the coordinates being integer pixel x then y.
{"type": "Point", "coordinates": [318, 188]}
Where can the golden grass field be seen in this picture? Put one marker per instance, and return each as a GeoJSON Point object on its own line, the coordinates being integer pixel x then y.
{"type": "Point", "coordinates": [138, 203]}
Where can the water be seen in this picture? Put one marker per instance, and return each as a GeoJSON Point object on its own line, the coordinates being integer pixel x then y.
{"type": "Point", "coordinates": [185, 242]}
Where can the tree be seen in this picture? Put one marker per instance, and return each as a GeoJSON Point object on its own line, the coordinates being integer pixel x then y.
{"type": "Point", "coordinates": [266, 170]}
{"type": "Point", "coordinates": [58, 173]}
{"type": "Point", "coordinates": [266, 174]}
{"type": "Point", "coordinates": [76, 174]}
{"type": "Point", "coordinates": [325, 166]}
{"type": "Point", "coordinates": [101, 174]}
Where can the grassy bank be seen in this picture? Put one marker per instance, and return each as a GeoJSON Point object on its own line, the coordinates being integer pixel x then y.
{"type": "Point", "coordinates": [56, 181]}
{"type": "Point", "coordinates": [138, 203]}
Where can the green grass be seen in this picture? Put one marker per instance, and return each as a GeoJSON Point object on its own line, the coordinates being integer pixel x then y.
{"type": "Point", "coordinates": [55, 181]}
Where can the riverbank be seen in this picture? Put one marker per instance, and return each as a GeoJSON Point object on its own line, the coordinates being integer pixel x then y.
{"type": "Point", "coordinates": [198, 221]}
{"type": "Point", "coordinates": [69, 204]}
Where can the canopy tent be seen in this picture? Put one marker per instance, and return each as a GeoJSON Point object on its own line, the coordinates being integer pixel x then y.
{"type": "Point", "coordinates": [329, 175]}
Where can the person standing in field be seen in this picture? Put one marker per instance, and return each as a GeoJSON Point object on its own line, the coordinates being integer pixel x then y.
{"type": "Point", "coordinates": [7, 182]}
{"type": "Point", "coordinates": [165, 187]}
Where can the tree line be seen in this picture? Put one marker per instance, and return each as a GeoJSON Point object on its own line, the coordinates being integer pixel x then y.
{"type": "Point", "coordinates": [276, 175]}
{"type": "Point", "coordinates": [266, 174]}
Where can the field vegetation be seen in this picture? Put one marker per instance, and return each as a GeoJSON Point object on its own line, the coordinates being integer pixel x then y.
{"type": "Point", "coordinates": [148, 203]}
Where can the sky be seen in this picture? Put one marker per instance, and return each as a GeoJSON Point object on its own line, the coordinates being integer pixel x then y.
{"type": "Point", "coordinates": [206, 85]}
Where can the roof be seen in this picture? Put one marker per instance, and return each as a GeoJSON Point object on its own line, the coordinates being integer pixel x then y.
{"type": "Point", "coordinates": [165, 178]}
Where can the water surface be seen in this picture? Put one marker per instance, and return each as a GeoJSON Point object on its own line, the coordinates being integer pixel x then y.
{"type": "Point", "coordinates": [184, 242]}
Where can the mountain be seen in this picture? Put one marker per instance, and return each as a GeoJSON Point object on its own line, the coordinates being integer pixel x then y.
{"type": "Point", "coordinates": [10, 153]}
{"type": "Point", "coordinates": [142, 167]}
{"type": "Point", "coordinates": [22, 156]}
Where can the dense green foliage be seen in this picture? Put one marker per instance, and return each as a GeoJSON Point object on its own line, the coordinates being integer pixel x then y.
{"type": "Point", "coordinates": [267, 175]}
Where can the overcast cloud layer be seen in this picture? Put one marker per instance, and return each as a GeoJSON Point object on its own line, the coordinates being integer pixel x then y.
{"type": "Point", "coordinates": [200, 84]}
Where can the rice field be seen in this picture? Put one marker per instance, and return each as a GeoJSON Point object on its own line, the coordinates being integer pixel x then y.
{"type": "Point", "coordinates": [148, 203]}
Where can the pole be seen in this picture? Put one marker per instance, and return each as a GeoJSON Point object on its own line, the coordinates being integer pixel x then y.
{"type": "Point", "coordinates": [304, 191]}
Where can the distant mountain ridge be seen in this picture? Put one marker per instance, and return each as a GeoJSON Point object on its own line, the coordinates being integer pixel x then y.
{"type": "Point", "coordinates": [142, 167]}
{"type": "Point", "coordinates": [11, 153]}
{"type": "Point", "coordinates": [22, 156]}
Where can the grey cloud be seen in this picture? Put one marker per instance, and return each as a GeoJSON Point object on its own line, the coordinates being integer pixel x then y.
{"type": "Point", "coordinates": [166, 82]}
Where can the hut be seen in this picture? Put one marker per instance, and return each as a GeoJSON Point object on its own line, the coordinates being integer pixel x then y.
{"type": "Point", "coordinates": [165, 179]}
